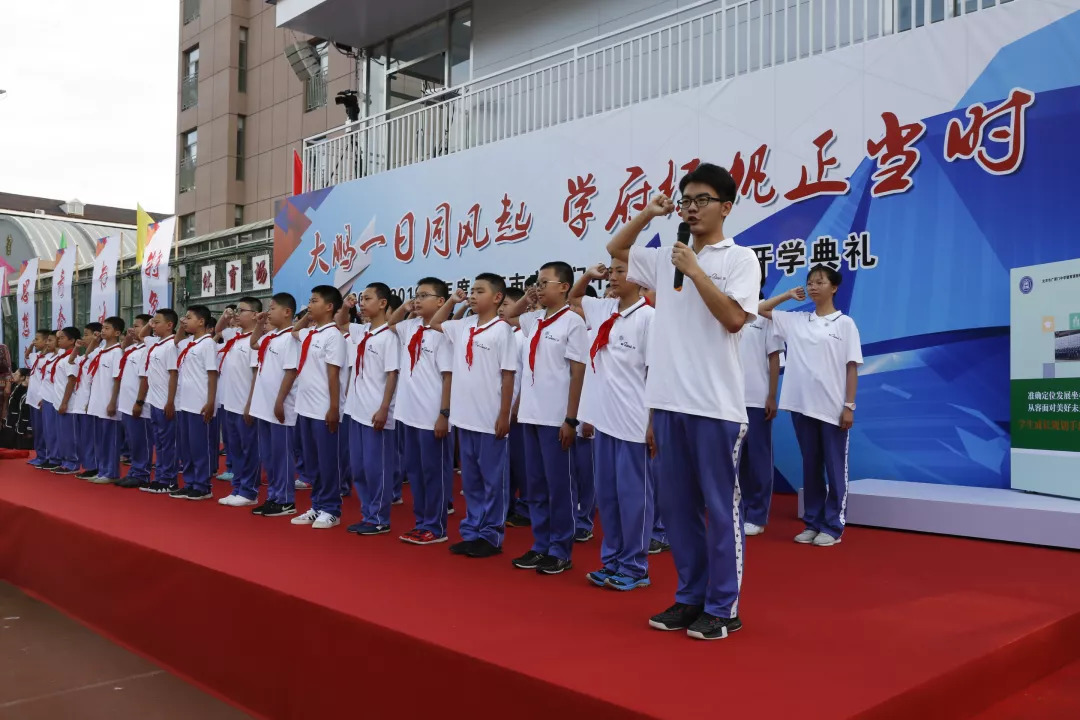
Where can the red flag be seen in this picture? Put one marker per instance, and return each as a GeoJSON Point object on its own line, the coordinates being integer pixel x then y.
{"type": "Point", "coordinates": [297, 174]}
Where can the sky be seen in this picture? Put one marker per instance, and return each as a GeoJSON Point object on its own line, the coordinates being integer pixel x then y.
{"type": "Point", "coordinates": [90, 108]}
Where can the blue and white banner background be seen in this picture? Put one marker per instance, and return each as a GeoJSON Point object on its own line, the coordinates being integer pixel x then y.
{"type": "Point", "coordinates": [923, 165]}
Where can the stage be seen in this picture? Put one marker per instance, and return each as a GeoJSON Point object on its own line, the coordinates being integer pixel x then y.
{"type": "Point", "coordinates": [290, 622]}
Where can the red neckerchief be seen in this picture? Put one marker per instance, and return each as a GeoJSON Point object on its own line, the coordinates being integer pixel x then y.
{"type": "Point", "coordinates": [36, 361]}
{"type": "Point", "coordinates": [604, 333]}
{"type": "Point", "coordinates": [55, 361]}
{"type": "Point", "coordinates": [155, 347]}
{"type": "Point", "coordinates": [416, 344]}
{"type": "Point", "coordinates": [473, 332]}
{"type": "Point", "coordinates": [78, 376]}
{"type": "Point", "coordinates": [96, 362]}
{"type": "Point", "coordinates": [361, 347]}
{"type": "Point", "coordinates": [44, 366]}
{"type": "Point", "coordinates": [266, 344]}
{"type": "Point", "coordinates": [193, 343]}
{"type": "Point", "coordinates": [307, 345]}
{"type": "Point", "coordinates": [126, 355]}
{"type": "Point", "coordinates": [535, 342]}
{"type": "Point", "coordinates": [228, 346]}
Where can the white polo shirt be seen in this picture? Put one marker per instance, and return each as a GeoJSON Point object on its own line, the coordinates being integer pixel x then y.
{"type": "Point", "coordinates": [694, 365]}
{"type": "Point", "coordinates": [545, 388]}
{"type": "Point", "coordinates": [613, 400]}
{"type": "Point", "coordinates": [818, 352]}
{"type": "Point", "coordinates": [522, 358]}
{"type": "Point", "coordinates": [101, 381]}
{"type": "Point", "coordinates": [80, 398]}
{"type": "Point", "coordinates": [327, 347]}
{"type": "Point", "coordinates": [282, 353]}
{"type": "Point", "coordinates": [56, 378]}
{"type": "Point", "coordinates": [33, 390]}
{"type": "Point", "coordinates": [369, 374]}
{"type": "Point", "coordinates": [181, 344]}
{"type": "Point", "coordinates": [420, 383]}
{"type": "Point", "coordinates": [38, 379]}
{"type": "Point", "coordinates": [234, 366]}
{"type": "Point", "coordinates": [757, 342]}
{"type": "Point", "coordinates": [127, 371]}
{"type": "Point", "coordinates": [194, 364]}
{"type": "Point", "coordinates": [476, 391]}
{"type": "Point", "coordinates": [159, 361]}
{"type": "Point", "coordinates": [65, 370]}
{"type": "Point", "coordinates": [345, 385]}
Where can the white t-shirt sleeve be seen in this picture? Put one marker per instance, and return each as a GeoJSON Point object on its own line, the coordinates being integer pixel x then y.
{"type": "Point", "coordinates": [335, 349]}
{"type": "Point", "coordinates": [229, 333]}
{"type": "Point", "coordinates": [593, 308]}
{"type": "Point", "coordinates": [854, 343]}
{"type": "Point", "coordinates": [529, 320]}
{"type": "Point", "coordinates": [116, 365]}
{"type": "Point", "coordinates": [393, 356]}
{"type": "Point", "coordinates": [451, 329]}
{"type": "Point", "coordinates": [577, 341]}
{"type": "Point", "coordinates": [782, 321]}
{"type": "Point", "coordinates": [444, 357]}
{"type": "Point", "coordinates": [745, 283]}
{"type": "Point", "coordinates": [290, 355]}
{"type": "Point", "coordinates": [210, 358]}
{"type": "Point", "coordinates": [642, 266]}
{"type": "Point", "coordinates": [508, 357]}
{"type": "Point", "coordinates": [774, 341]}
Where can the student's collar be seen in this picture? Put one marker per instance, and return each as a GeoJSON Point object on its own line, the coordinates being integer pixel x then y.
{"type": "Point", "coordinates": [831, 317]}
{"type": "Point", "coordinates": [327, 325]}
{"type": "Point", "coordinates": [488, 324]}
{"type": "Point", "coordinates": [722, 245]}
{"type": "Point", "coordinates": [633, 308]}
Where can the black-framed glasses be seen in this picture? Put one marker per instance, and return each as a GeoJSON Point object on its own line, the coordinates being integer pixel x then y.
{"type": "Point", "coordinates": [700, 201]}
{"type": "Point", "coordinates": [424, 296]}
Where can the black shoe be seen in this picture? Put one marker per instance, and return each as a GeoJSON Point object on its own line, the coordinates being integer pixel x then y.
{"type": "Point", "coordinates": [61, 470]}
{"type": "Point", "coordinates": [47, 466]}
{"type": "Point", "coordinates": [261, 509]}
{"type": "Point", "coordinates": [131, 483]}
{"type": "Point", "coordinates": [710, 627]}
{"type": "Point", "coordinates": [482, 549]}
{"type": "Point", "coordinates": [86, 474]}
{"type": "Point", "coordinates": [158, 488]}
{"type": "Point", "coordinates": [516, 520]}
{"type": "Point", "coordinates": [181, 493]}
{"type": "Point", "coordinates": [583, 535]}
{"type": "Point", "coordinates": [677, 617]}
{"type": "Point", "coordinates": [528, 561]}
{"type": "Point", "coordinates": [656, 547]}
{"type": "Point", "coordinates": [449, 508]}
{"type": "Point", "coordinates": [463, 548]}
{"type": "Point", "coordinates": [552, 565]}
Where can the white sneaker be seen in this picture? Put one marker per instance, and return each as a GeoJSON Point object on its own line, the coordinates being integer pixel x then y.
{"type": "Point", "coordinates": [306, 519]}
{"type": "Point", "coordinates": [236, 501]}
{"type": "Point", "coordinates": [806, 536]}
{"type": "Point", "coordinates": [752, 529]}
{"type": "Point", "coordinates": [825, 540]}
{"type": "Point", "coordinates": [301, 485]}
{"type": "Point", "coordinates": [325, 521]}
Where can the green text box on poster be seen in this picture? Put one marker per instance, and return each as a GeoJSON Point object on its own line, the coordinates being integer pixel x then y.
{"type": "Point", "coordinates": [1046, 414]}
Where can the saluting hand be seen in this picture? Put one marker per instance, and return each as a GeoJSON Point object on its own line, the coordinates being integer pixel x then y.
{"type": "Point", "coordinates": [597, 272]}
{"type": "Point", "coordinates": [458, 296]}
{"type": "Point", "coordinates": [660, 205]}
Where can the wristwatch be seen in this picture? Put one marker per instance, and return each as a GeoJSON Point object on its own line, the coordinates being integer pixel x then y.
{"type": "Point", "coordinates": [445, 413]}
{"type": "Point", "coordinates": [572, 422]}
{"type": "Point", "coordinates": [850, 406]}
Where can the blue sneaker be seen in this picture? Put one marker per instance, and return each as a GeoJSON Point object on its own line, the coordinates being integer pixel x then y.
{"type": "Point", "coordinates": [371, 529]}
{"type": "Point", "coordinates": [600, 577]}
{"type": "Point", "coordinates": [625, 582]}
{"type": "Point", "coordinates": [225, 476]}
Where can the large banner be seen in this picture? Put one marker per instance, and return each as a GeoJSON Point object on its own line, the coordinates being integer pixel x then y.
{"type": "Point", "coordinates": [922, 165]}
{"type": "Point", "coordinates": [63, 278]}
{"type": "Point", "coordinates": [103, 282]}
{"type": "Point", "coordinates": [25, 305]}
{"type": "Point", "coordinates": [155, 267]}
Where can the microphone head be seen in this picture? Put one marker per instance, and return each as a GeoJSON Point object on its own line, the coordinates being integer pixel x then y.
{"type": "Point", "coordinates": [684, 233]}
{"type": "Point", "coordinates": [684, 227]}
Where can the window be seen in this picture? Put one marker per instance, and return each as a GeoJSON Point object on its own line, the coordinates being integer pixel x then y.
{"type": "Point", "coordinates": [189, 82]}
{"type": "Point", "coordinates": [241, 62]}
{"type": "Point", "coordinates": [238, 215]}
{"type": "Point", "coordinates": [191, 10]}
{"type": "Point", "coordinates": [241, 131]}
{"type": "Point", "coordinates": [187, 226]}
{"type": "Point", "coordinates": [315, 88]}
{"type": "Point", "coordinates": [189, 146]}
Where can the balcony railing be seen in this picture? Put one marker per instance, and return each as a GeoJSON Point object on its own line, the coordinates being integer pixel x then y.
{"type": "Point", "coordinates": [645, 61]}
{"type": "Point", "coordinates": [187, 174]}
{"type": "Point", "coordinates": [191, 10]}
{"type": "Point", "coordinates": [189, 91]}
{"type": "Point", "coordinates": [315, 93]}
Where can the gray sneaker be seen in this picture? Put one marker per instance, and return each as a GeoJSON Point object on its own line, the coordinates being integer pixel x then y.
{"type": "Point", "coordinates": [806, 537]}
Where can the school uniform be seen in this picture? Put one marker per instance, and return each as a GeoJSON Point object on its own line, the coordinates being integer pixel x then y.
{"type": "Point", "coordinates": [200, 439]}
{"type": "Point", "coordinates": [33, 402]}
{"type": "Point", "coordinates": [234, 387]}
{"type": "Point", "coordinates": [614, 404]}
{"type": "Point", "coordinates": [552, 344]}
{"type": "Point", "coordinates": [157, 366]}
{"type": "Point", "coordinates": [278, 352]}
{"type": "Point", "coordinates": [182, 455]}
{"type": "Point", "coordinates": [319, 348]}
{"type": "Point", "coordinates": [518, 494]}
{"type": "Point", "coordinates": [62, 441]}
{"type": "Point", "coordinates": [344, 449]}
{"type": "Point", "coordinates": [428, 462]}
{"type": "Point", "coordinates": [106, 427]}
{"type": "Point", "coordinates": [584, 485]}
{"type": "Point", "coordinates": [695, 387]}
{"type": "Point", "coordinates": [757, 342]}
{"type": "Point", "coordinates": [85, 445]}
{"type": "Point", "coordinates": [481, 353]}
{"type": "Point", "coordinates": [43, 399]}
{"type": "Point", "coordinates": [815, 382]}
{"type": "Point", "coordinates": [372, 453]}
{"type": "Point", "coordinates": [137, 429]}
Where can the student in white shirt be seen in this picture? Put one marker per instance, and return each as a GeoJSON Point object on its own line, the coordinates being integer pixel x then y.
{"type": "Point", "coordinates": [320, 372]}
{"type": "Point", "coordinates": [157, 388]}
{"type": "Point", "coordinates": [557, 349]}
{"type": "Point", "coordinates": [76, 396]}
{"type": "Point", "coordinates": [614, 404]}
{"type": "Point", "coordinates": [820, 378]}
{"type": "Point", "coordinates": [482, 390]}
{"type": "Point", "coordinates": [63, 453]}
{"type": "Point", "coordinates": [696, 394]}
{"type": "Point", "coordinates": [125, 391]}
{"type": "Point", "coordinates": [35, 356]}
{"type": "Point", "coordinates": [235, 377]}
{"type": "Point", "coordinates": [196, 405]}
{"type": "Point", "coordinates": [272, 402]}
{"type": "Point", "coordinates": [759, 349]}
{"type": "Point", "coordinates": [518, 514]}
{"type": "Point", "coordinates": [99, 374]}
{"type": "Point", "coordinates": [399, 429]}
{"type": "Point", "coordinates": [423, 411]}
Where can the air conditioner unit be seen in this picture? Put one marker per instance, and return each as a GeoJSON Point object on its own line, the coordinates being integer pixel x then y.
{"type": "Point", "coordinates": [39, 211]}
{"type": "Point", "coordinates": [303, 59]}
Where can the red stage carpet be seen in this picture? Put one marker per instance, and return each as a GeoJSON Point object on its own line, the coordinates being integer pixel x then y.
{"type": "Point", "coordinates": [286, 621]}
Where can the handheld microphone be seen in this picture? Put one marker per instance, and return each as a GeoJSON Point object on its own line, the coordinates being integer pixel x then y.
{"type": "Point", "coordinates": [684, 238]}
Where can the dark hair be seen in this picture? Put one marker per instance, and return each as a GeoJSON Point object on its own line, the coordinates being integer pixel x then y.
{"type": "Point", "coordinates": [93, 326]}
{"type": "Point", "coordinates": [72, 333]}
{"type": "Point", "coordinates": [439, 286]}
{"type": "Point", "coordinates": [716, 177]}
{"type": "Point", "coordinates": [49, 334]}
{"type": "Point", "coordinates": [117, 323]}
{"type": "Point", "coordinates": [170, 316]}
{"type": "Point", "coordinates": [833, 276]}
{"type": "Point", "coordinates": [590, 291]}
{"type": "Point", "coordinates": [496, 281]}
{"type": "Point", "coordinates": [382, 292]}
{"type": "Point", "coordinates": [531, 280]}
{"type": "Point", "coordinates": [285, 300]}
{"type": "Point", "coordinates": [514, 293]}
{"type": "Point", "coordinates": [329, 294]}
{"type": "Point", "coordinates": [395, 301]}
{"type": "Point", "coordinates": [144, 317]}
{"type": "Point", "coordinates": [563, 271]}
{"type": "Point", "coordinates": [253, 302]}
{"type": "Point", "coordinates": [202, 312]}
{"type": "Point", "coordinates": [231, 306]}
{"type": "Point", "coordinates": [43, 331]}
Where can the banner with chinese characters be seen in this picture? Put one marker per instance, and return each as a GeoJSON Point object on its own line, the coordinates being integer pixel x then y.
{"type": "Point", "coordinates": [260, 272]}
{"type": "Point", "coordinates": [103, 281]}
{"type": "Point", "coordinates": [63, 277]}
{"type": "Point", "coordinates": [207, 282]}
{"type": "Point", "coordinates": [234, 274]}
{"type": "Point", "coordinates": [922, 166]}
{"type": "Point", "coordinates": [25, 305]}
{"type": "Point", "coordinates": [3, 292]}
{"type": "Point", "coordinates": [155, 266]}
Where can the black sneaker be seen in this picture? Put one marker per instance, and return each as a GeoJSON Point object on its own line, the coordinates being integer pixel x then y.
{"type": "Point", "coordinates": [372, 529]}
{"type": "Point", "coordinates": [47, 466]}
{"type": "Point", "coordinates": [656, 547]}
{"type": "Point", "coordinates": [483, 549]}
{"type": "Point", "coordinates": [449, 508]}
{"type": "Point", "coordinates": [159, 488]}
{"type": "Point", "coordinates": [61, 470]}
{"type": "Point", "coordinates": [86, 474]}
{"type": "Point", "coordinates": [261, 509]}
{"type": "Point", "coordinates": [679, 616]}
{"type": "Point", "coordinates": [516, 520]}
{"type": "Point", "coordinates": [528, 561]}
{"type": "Point", "coordinates": [131, 483]}
{"type": "Point", "coordinates": [180, 493]}
{"type": "Point", "coordinates": [463, 548]}
{"type": "Point", "coordinates": [552, 565]}
{"type": "Point", "coordinates": [710, 627]}
{"type": "Point", "coordinates": [583, 535]}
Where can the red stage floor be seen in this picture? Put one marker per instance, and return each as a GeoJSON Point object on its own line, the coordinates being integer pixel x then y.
{"type": "Point", "coordinates": [286, 621]}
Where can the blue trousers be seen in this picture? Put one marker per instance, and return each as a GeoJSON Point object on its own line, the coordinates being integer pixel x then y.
{"type": "Point", "coordinates": [485, 478]}
{"type": "Point", "coordinates": [373, 454]}
{"type": "Point", "coordinates": [584, 484]}
{"type": "Point", "coordinates": [756, 468]}
{"type": "Point", "coordinates": [824, 449]}
{"type": "Point", "coordinates": [107, 437]}
{"type": "Point", "coordinates": [700, 497]}
{"type": "Point", "coordinates": [62, 441]}
{"type": "Point", "coordinates": [399, 465]}
{"type": "Point", "coordinates": [140, 442]}
{"type": "Point", "coordinates": [518, 493]}
{"type": "Point", "coordinates": [346, 455]}
{"type": "Point", "coordinates": [429, 467]}
{"type": "Point", "coordinates": [38, 426]}
{"type": "Point", "coordinates": [275, 452]}
{"type": "Point", "coordinates": [242, 446]}
{"type": "Point", "coordinates": [87, 442]}
{"type": "Point", "coordinates": [624, 491]}
{"type": "Point", "coordinates": [199, 445]}
{"type": "Point", "coordinates": [166, 436]}
{"type": "Point", "coordinates": [552, 494]}
{"type": "Point", "coordinates": [298, 456]}
{"type": "Point", "coordinates": [322, 460]}
{"type": "Point", "coordinates": [125, 446]}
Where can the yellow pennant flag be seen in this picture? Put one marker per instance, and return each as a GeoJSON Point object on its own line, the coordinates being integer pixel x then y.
{"type": "Point", "coordinates": [143, 221]}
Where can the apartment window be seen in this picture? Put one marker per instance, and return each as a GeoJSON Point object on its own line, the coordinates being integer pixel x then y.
{"type": "Point", "coordinates": [189, 82]}
{"type": "Point", "coordinates": [189, 146]}
{"type": "Point", "coordinates": [191, 10]}
{"type": "Point", "coordinates": [241, 131]}
{"type": "Point", "coordinates": [187, 226]}
{"type": "Point", "coordinates": [241, 62]}
{"type": "Point", "coordinates": [315, 88]}
{"type": "Point", "coordinates": [238, 215]}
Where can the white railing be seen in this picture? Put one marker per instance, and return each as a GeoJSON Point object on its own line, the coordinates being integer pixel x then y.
{"type": "Point", "coordinates": [666, 54]}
